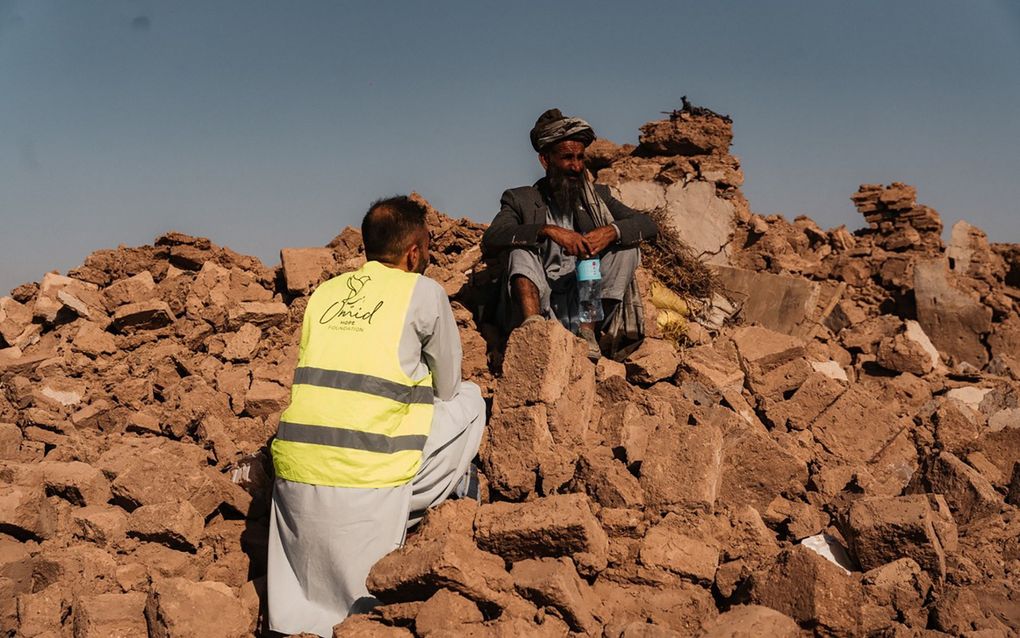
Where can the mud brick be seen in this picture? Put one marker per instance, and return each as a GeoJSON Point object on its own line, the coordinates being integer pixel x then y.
{"type": "Point", "coordinates": [99, 524]}
{"type": "Point", "coordinates": [856, 426]}
{"type": "Point", "coordinates": [537, 364]}
{"type": "Point", "coordinates": [554, 526]}
{"type": "Point", "coordinates": [144, 315]}
{"type": "Point", "coordinates": [135, 289]}
{"type": "Point", "coordinates": [669, 546]}
{"type": "Point", "coordinates": [265, 398]}
{"type": "Point", "coordinates": [446, 611]}
{"type": "Point", "coordinates": [970, 496]}
{"type": "Point", "coordinates": [76, 482]}
{"type": "Point", "coordinates": [896, 593]}
{"type": "Point", "coordinates": [177, 607]}
{"type": "Point", "coordinates": [110, 616]}
{"type": "Point", "coordinates": [304, 268]}
{"type": "Point", "coordinates": [177, 525]}
{"type": "Point", "coordinates": [517, 440]}
{"type": "Point", "coordinates": [259, 313]}
{"type": "Point", "coordinates": [811, 590]}
{"type": "Point", "coordinates": [756, 468]}
{"type": "Point", "coordinates": [607, 481]}
{"type": "Point", "coordinates": [882, 529]}
{"type": "Point", "coordinates": [442, 556]}
{"type": "Point", "coordinates": [751, 620]}
{"type": "Point", "coordinates": [551, 582]}
{"type": "Point", "coordinates": [682, 465]}
{"type": "Point", "coordinates": [10, 441]}
{"type": "Point", "coordinates": [761, 349]}
{"type": "Point", "coordinates": [653, 361]}
{"type": "Point", "coordinates": [25, 513]}
{"type": "Point", "coordinates": [92, 340]}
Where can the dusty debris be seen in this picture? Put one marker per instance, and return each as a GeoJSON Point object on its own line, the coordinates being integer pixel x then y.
{"type": "Point", "coordinates": [856, 390]}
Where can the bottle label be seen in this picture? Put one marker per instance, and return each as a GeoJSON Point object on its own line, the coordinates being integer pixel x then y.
{"type": "Point", "coordinates": [589, 270]}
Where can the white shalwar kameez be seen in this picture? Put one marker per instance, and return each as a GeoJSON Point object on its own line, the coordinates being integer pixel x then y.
{"type": "Point", "coordinates": [324, 540]}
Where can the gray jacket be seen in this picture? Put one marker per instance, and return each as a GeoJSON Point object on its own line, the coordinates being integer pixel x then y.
{"type": "Point", "coordinates": [523, 212]}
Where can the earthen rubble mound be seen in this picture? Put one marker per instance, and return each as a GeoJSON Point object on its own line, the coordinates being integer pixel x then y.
{"type": "Point", "coordinates": [829, 446]}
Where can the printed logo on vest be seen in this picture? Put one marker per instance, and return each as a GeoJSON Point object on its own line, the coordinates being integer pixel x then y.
{"type": "Point", "coordinates": [351, 313]}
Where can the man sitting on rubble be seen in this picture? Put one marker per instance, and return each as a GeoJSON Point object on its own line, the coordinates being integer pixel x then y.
{"type": "Point", "coordinates": [544, 229]}
{"type": "Point", "coordinates": [380, 426]}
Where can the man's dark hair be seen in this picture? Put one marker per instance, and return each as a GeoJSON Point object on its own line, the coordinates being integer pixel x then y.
{"type": "Point", "coordinates": [390, 225]}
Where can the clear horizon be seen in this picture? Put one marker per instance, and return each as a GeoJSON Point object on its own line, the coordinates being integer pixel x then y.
{"type": "Point", "coordinates": [267, 125]}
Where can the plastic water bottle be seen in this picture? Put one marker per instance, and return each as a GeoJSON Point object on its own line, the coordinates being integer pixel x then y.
{"type": "Point", "coordinates": [589, 290]}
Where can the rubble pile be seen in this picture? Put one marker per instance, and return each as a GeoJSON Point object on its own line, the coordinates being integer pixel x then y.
{"type": "Point", "coordinates": [833, 448]}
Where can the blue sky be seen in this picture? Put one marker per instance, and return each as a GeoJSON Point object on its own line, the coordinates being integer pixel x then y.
{"type": "Point", "coordinates": [270, 124]}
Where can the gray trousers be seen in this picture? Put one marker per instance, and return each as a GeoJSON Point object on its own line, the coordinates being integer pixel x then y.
{"type": "Point", "coordinates": [618, 266]}
{"type": "Point", "coordinates": [324, 540]}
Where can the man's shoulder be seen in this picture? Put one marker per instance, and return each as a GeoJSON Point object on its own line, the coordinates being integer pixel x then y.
{"type": "Point", "coordinates": [430, 286]}
{"type": "Point", "coordinates": [522, 194]}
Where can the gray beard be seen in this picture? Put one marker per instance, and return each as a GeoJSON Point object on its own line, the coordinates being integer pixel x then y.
{"type": "Point", "coordinates": [566, 193]}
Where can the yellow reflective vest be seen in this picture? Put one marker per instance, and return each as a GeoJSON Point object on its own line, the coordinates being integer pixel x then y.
{"type": "Point", "coordinates": [355, 418]}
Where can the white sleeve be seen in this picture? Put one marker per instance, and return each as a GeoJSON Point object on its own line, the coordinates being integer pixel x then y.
{"type": "Point", "coordinates": [433, 322]}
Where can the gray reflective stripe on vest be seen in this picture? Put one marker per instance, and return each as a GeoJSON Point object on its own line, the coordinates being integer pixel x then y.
{"type": "Point", "coordinates": [376, 386]}
{"type": "Point", "coordinates": [353, 439]}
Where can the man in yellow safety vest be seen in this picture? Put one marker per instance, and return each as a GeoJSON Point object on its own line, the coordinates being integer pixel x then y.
{"type": "Point", "coordinates": [380, 426]}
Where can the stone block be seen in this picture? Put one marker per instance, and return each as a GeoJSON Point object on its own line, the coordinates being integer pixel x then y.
{"type": "Point", "coordinates": [180, 608]}
{"type": "Point", "coordinates": [110, 616]}
{"type": "Point", "coordinates": [558, 525]}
